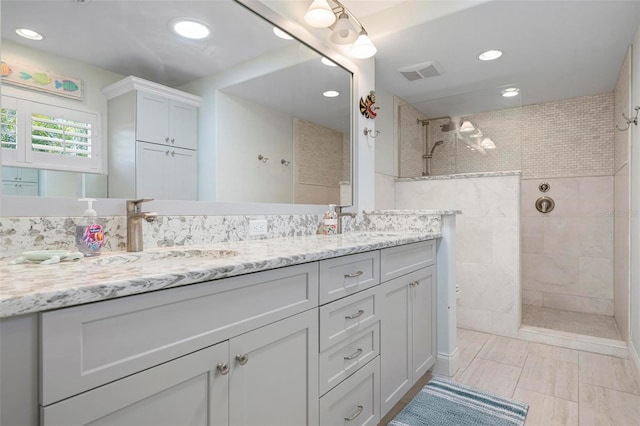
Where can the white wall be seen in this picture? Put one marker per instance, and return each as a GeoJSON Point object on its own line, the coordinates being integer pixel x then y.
{"type": "Point", "coordinates": [244, 126]}
{"type": "Point", "coordinates": [386, 167]}
{"type": "Point", "coordinates": [635, 208]}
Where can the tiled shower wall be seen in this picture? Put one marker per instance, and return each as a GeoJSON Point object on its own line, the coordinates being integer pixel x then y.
{"type": "Point", "coordinates": [567, 254]}
{"type": "Point", "coordinates": [411, 138]}
{"type": "Point", "coordinates": [565, 138]}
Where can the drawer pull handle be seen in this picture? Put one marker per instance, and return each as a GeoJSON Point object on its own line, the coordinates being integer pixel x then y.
{"type": "Point", "coordinates": [354, 355]}
{"type": "Point", "coordinates": [354, 275]}
{"type": "Point", "coordinates": [356, 414]}
{"type": "Point", "coordinates": [242, 359]}
{"type": "Point", "coordinates": [356, 315]}
{"type": "Point", "coordinates": [223, 368]}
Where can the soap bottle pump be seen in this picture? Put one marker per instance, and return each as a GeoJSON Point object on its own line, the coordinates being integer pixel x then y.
{"type": "Point", "coordinates": [89, 233]}
{"type": "Point", "coordinates": [331, 220]}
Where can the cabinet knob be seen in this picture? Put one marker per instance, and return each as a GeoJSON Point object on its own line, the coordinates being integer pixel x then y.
{"type": "Point", "coordinates": [173, 153]}
{"type": "Point", "coordinates": [356, 414]}
{"type": "Point", "coordinates": [223, 368]}
{"type": "Point", "coordinates": [354, 355]}
{"type": "Point", "coordinates": [166, 139]}
{"type": "Point", "coordinates": [173, 140]}
{"type": "Point", "coordinates": [242, 359]}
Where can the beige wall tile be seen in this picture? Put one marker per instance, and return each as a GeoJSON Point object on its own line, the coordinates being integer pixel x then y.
{"type": "Point", "coordinates": [533, 298]}
{"type": "Point", "coordinates": [438, 194]}
{"type": "Point", "coordinates": [596, 196]}
{"type": "Point", "coordinates": [571, 302]}
{"type": "Point", "coordinates": [506, 242]}
{"type": "Point", "coordinates": [474, 319]}
{"type": "Point", "coordinates": [561, 236]}
{"type": "Point", "coordinates": [505, 350]}
{"type": "Point", "coordinates": [596, 237]}
{"type": "Point", "coordinates": [602, 406]}
{"type": "Point", "coordinates": [595, 277]}
{"type": "Point", "coordinates": [545, 410]}
{"type": "Point", "coordinates": [545, 272]}
{"type": "Point", "coordinates": [621, 251]}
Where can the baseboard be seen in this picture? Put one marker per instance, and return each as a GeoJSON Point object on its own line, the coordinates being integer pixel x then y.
{"type": "Point", "coordinates": [447, 364]}
{"type": "Point", "coordinates": [633, 354]}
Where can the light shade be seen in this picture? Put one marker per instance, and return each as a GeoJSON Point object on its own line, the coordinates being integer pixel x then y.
{"type": "Point", "coordinates": [343, 32]}
{"type": "Point", "coordinates": [281, 34]}
{"type": "Point", "coordinates": [467, 127]}
{"type": "Point", "coordinates": [319, 14]}
{"type": "Point", "coordinates": [488, 144]}
{"type": "Point", "coordinates": [510, 92]}
{"type": "Point", "coordinates": [363, 47]}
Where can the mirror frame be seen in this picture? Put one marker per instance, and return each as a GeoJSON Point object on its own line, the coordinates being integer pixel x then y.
{"type": "Point", "coordinates": [362, 152]}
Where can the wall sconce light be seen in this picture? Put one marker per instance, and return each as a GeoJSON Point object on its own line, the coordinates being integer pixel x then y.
{"type": "Point", "coordinates": [321, 15]}
{"type": "Point", "coordinates": [487, 144]}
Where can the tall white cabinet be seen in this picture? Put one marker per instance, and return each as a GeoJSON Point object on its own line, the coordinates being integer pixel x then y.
{"type": "Point", "coordinates": [153, 141]}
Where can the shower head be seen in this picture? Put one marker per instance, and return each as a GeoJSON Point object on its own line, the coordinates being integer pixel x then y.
{"type": "Point", "coordinates": [433, 148]}
{"type": "Point", "coordinates": [448, 127]}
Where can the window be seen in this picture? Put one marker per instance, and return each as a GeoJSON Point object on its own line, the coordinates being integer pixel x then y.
{"type": "Point", "coordinates": [44, 136]}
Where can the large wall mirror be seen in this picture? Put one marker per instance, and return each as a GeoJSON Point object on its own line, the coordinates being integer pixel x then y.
{"type": "Point", "coordinates": [267, 131]}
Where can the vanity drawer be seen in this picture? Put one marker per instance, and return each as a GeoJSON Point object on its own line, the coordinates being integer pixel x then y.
{"type": "Point", "coordinates": [342, 360]}
{"type": "Point", "coordinates": [346, 317]}
{"type": "Point", "coordinates": [346, 275]}
{"type": "Point", "coordinates": [400, 260]}
{"type": "Point", "coordinates": [356, 401]}
{"type": "Point", "coordinates": [86, 346]}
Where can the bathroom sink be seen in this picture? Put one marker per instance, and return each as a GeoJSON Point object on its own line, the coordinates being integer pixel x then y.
{"type": "Point", "coordinates": [121, 258]}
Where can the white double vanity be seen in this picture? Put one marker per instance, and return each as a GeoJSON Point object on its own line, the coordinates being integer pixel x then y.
{"type": "Point", "coordinates": [289, 331]}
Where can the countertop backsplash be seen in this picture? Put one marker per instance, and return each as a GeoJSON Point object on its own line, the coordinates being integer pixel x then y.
{"type": "Point", "coordinates": [18, 234]}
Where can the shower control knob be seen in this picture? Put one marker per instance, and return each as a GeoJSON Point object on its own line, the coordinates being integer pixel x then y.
{"type": "Point", "coordinates": [544, 187]}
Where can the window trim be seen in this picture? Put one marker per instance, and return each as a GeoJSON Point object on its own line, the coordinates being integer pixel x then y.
{"type": "Point", "coordinates": [25, 156]}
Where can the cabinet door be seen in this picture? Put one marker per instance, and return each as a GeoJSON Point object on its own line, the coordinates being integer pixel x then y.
{"type": "Point", "coordinates": [182, 178]}
{"type": "Point", "coordinates": [395, 341]}
{"type": "Point", "coordinates": [274, 374]}
{"type": "Point", "coordinates": [152, 118]}
{"type": "Point", "coordinates": [186, 391]}
{"type": "Point", "coordinates": [423, 320]}
{"type": "Point", "coordinates": [151, 170]}
{"type": "Point", "coordinates": [183, 125]}
{"type": "Point", "coordinates": [10, 188]}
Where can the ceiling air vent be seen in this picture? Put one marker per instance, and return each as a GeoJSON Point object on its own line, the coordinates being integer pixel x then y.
{"type": "Point", "coordinates": [422, 70]}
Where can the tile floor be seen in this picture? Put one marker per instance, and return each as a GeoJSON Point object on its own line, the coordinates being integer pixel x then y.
{"type": "Point", "coordinates": [573, 322]}
{"type": "Point", "coordinates": [562, 386]}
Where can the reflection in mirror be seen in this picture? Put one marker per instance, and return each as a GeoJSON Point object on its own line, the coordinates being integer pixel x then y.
{"type": "Point", "coordinates": [260, 95]}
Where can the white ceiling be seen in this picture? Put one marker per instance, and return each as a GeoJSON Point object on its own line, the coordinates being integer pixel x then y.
{"type": "Point", "coordinates": [552, 49]}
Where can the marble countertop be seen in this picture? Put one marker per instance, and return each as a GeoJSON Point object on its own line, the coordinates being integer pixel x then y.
{"type": "Point", "coordinates": [28, 288]}
{"type": "Point", "coordinates": [412, 212]}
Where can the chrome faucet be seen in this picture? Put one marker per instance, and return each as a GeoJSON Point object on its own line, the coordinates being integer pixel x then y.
{"type": "Point", "coordinates": [134, 223]}
{"type": "Point", "coordinates": [342, 214]}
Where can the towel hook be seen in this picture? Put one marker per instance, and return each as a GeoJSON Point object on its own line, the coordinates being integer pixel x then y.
{"type": "Point", "coordinates": [370, 132]}
{"type": "Point", "coordinates": [629, 121]}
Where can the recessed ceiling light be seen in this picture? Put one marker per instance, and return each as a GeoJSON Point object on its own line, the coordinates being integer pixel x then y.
{"type": "Point", "coordinates": [331, 93]}
{"type": "Point", "coordinates": [328, 62]}
{"type": "Point", "coordinates": [189, 28]}
{"type": "Point", "coordinates": [510, 92]}
{"type": "Point", "coordinates": [490, 55]}
{"type": "Point", "coordinates": [30, 34]}
{"type": "Point", "coordinates": [277, 31]}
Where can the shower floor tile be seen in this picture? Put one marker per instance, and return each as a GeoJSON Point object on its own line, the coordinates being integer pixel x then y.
{"type": "Point", "coordinates": [573, 322]}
